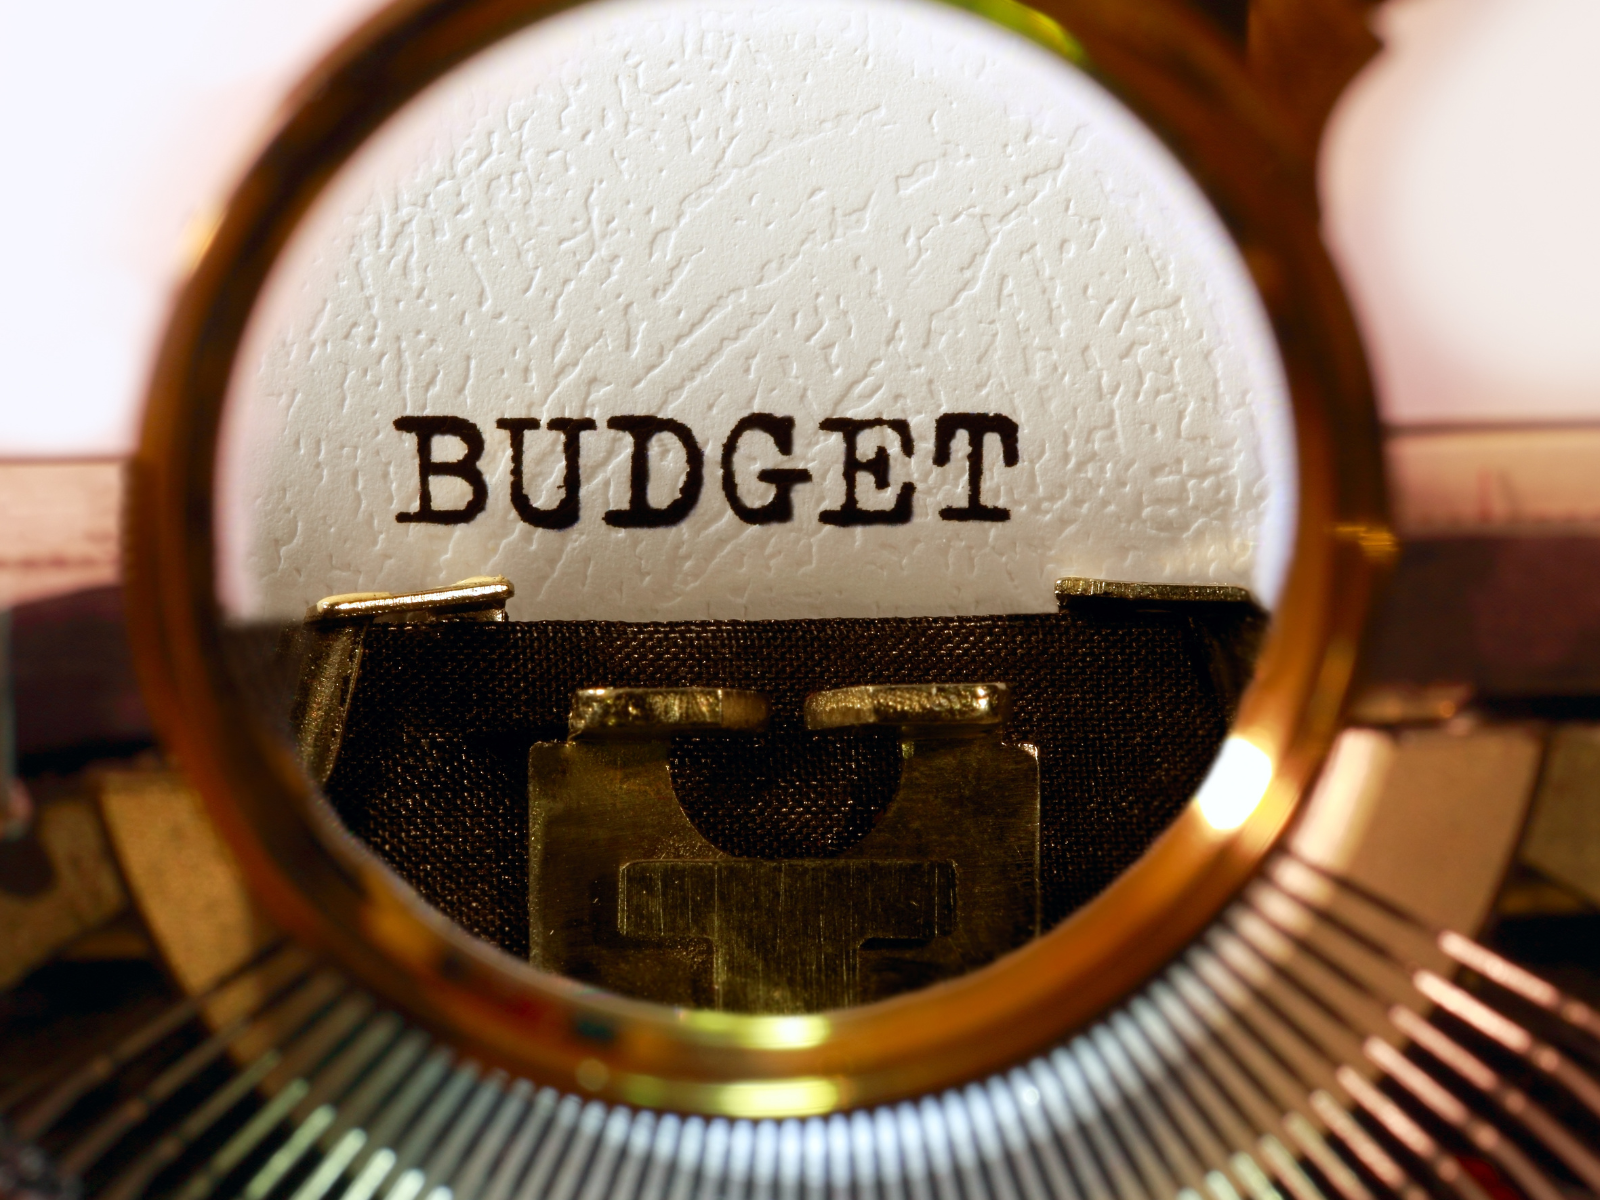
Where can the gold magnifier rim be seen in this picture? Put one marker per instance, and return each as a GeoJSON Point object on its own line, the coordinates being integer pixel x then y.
{"type": "Point", "coordinates": [1177, 76]}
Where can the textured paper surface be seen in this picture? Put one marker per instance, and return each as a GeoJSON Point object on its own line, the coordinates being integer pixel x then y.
{"type": "Point", "coordinates": [892, 210]}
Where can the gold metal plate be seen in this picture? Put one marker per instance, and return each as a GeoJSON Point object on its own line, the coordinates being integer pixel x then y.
{"type": "Point", "coordinates": [1155, 593]}
{"type": "Point", "coordinates": [624, 892]}
{"type": "Point", "coordinates": [949, 707]}
{"type": "Point", "coordinates": [660, 712]}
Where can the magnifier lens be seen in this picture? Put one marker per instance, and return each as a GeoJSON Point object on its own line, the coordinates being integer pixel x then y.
{"type": "Point", "coordinates": [770, 350]}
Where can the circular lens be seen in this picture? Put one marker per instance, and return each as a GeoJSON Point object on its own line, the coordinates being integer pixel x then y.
{"type": "Point", "coordinates": [681, 520]}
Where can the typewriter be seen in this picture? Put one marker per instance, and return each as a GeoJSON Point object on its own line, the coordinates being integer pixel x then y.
{"type": "Point", "coordinates": [769, 599]}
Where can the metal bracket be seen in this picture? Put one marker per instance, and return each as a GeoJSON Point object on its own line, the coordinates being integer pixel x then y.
{"type": "Point", "coordinates": [332, 640]}
{"type": "Point", "coordinates": [625, 893]}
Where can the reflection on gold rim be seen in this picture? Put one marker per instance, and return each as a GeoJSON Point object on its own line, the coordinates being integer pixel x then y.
{"type": "Point", "coordinates": [322, 884]}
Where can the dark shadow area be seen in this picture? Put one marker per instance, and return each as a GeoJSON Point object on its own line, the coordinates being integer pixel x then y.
{"type": "Point", "coordinates": [1125, 704]}
{"type": "Point", "coordinates": [77, 698]}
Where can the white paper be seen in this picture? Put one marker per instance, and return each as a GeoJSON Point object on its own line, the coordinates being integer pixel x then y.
{"type": "Point", "coordinates": [891, 210]}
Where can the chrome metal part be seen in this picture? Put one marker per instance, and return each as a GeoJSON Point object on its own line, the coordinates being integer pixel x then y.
{"type": "Point", "coordinates": [1316, 1044]}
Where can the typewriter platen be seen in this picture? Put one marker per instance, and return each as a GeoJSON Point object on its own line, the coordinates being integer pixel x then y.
{"type": "Point", "coordinates": [841, 865]}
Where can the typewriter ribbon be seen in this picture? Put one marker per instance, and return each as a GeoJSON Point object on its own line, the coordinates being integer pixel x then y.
{"type": "Point", "coordinates": [336, 893]}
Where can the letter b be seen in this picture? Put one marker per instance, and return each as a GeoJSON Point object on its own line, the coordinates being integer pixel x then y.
{"type": "Point", "coordinates": [428, 468]}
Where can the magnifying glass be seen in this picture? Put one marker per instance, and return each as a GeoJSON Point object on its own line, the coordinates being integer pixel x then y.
{"type": "Point", "coordinates": [758, 558]}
